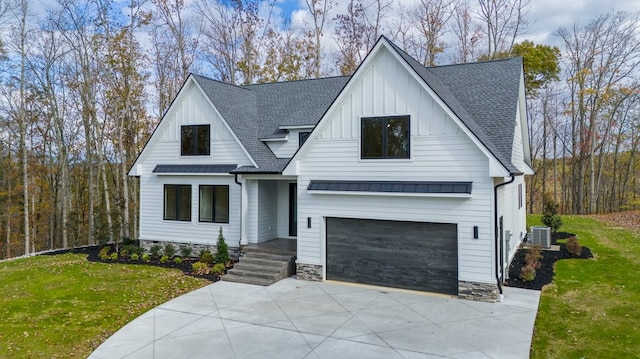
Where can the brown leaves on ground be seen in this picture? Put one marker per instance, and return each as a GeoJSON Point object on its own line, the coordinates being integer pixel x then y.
{"type": "Point", "coordinates": [629, 219]}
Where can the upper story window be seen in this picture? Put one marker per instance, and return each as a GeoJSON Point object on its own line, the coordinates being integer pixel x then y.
{"type": "Point", "coordinates": [302, 137]}
{"type": "Point", "coordinates": [385, 137]}
{"type": "Point", "coordinates": [195, 140]}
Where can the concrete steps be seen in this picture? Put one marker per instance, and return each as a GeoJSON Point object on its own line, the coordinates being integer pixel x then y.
{"type": "Point", "coordinates": [262, 267]}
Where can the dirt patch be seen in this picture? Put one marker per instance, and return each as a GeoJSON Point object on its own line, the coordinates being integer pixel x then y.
{"type": "Point", "coordinates": [629, 219]}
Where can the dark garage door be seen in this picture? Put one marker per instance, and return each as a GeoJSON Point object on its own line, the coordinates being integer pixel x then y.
{"type": "Point", "coordinates": [410, 255]}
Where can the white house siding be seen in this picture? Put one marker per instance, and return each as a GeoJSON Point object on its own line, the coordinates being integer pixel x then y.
{"type": "Point", "coordinates": [514, 217]}
{"type": "Point", "coordinates": [517, 150]}
{"type": "Point", "coordinates": [267, 210]}
{"type": "Point", "coordinates": [439, 152]}
{"type": "Point", "coordinates": [286, 149]}
{"type": "Point", "coordinates": [283, 209]}
{"type": "Point", "coordinates": [154, 228]}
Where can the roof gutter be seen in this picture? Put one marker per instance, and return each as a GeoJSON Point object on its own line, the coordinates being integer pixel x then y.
{"type": "Point", "coordinates": [499, 255]}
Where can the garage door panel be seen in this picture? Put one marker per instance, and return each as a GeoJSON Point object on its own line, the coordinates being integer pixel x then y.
{"type": "Point", "coordinates": [412, 255]}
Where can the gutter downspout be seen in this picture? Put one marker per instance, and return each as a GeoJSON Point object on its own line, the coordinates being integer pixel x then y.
{"type": "Point", "coordinates": [240, 240]}
{"type": "Point", "coordinates": [499, 261]}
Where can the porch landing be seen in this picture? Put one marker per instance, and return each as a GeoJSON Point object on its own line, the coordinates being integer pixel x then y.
{"type": "Point", "coordinates": [284, 246]}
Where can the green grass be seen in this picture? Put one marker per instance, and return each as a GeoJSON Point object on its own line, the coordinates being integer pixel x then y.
{"type": "Point", "coordinates": [592, 308]}
{"type": "Point", "coordinates": [63, 306]}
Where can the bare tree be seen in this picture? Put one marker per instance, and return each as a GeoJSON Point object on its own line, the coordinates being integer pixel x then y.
{"type": "Point", "coordinates": [319, 10]}
{"type": "Point", "coordinates": [220, 38]}
{"type": "Point", "coordinates": [503, 21]}
{"type": "Point", "coordinates": [429, 18]}
{"type": "Point", "coordinates": [467, 31]}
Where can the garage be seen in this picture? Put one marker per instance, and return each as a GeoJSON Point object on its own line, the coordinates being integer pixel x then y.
{"type": "Point", "coordinates": [411, 255]}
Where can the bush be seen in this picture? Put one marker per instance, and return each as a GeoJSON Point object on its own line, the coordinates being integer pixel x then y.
{"type": "Point", "coordinates": [169, 250]}
{"type": "Point", "coordinates": [130, 249]}
{"type": "Point", "coordinates": [114, 256]}
{"type": "Point", "coordinates": [573, 247]}
{"type": "Point", "coordinates": [528, 273]}
{"type": "Point", "coordinates": [218, 269]}
{"type": "Point", "coordinates": [200, 268]}
{"type": "Point", "coordinates": [135, 257]}
{"type": "Point", "coordinates": [178, 260]}
{"type": "Point", "coordinates": [164, 259]}
{"type": "Point", "coordinates": [154, 251]}
{"type": "Point", "coordinates": [533, 256]}
{"type": "Point", "coordinates": [104, 253]}
{"type": "Point", "coordinates": [207, 257]}
{"type": "Point", "coordinates": [550, 217]}
{"type": "Point", "coordinates": [222, 252]}
{"type": "Point", "coordinates": [186, 250]}
{"type": "Point", "coordinates": [146, 257]}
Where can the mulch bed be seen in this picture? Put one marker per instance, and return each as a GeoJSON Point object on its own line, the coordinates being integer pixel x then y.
{"type": "Point", "coordinates": [545, 274]}
{"type": "Point", "coordinates": [93, 251]}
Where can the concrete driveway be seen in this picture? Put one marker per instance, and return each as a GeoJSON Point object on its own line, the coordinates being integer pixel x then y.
{"type": "Point", "coordinates": [299, 319]}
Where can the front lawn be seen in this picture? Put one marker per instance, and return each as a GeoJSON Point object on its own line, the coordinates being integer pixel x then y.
{"type": "Point", "coordinates": [64, 306]}
{"type": "Point", "coordinates": [592, 308]}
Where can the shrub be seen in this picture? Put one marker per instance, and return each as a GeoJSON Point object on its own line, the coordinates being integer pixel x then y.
{"type": "Point", "coordinates": [154, 251]}
{"type": "Point", "coordinates": [218, 269]}
{"type": "Point", "coordinates": [178, 260]}
{"type": "Point", "coordinates": [104, 253]}
{"type": "Point", "coordinates": [114, 256]}
{"type": "Point", "coordinates": [200, 268]}
{"type": "Point", "coordinates": [527, 273]}
{"type": "Point", "coordinates": [550, 217]}
{"type": "Point", "coordinates": [573, 247]}
{"type": "Point", "coordinates": [124, 253]}
{"type": "Point", "coordinates": [146, 257]}
{"type": "Point", "coordinates": [135, 257]}
{"type": "Point", "coordinates": [207, 257]}
{"type": "Point", "coordinates": [169, 250]}
{"type": "Point", "coordinates": [533, 256]}
{"type": "Point", "coordinates": [164, 259]}
{"type": "Point", "coordinates": [131, 249]}
{"type": "Point", "coordinates": [186, 250]}
{"type": "Point", "coordinates": [222, 252]}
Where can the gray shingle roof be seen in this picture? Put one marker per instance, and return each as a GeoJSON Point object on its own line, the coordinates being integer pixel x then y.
{"type": "Point", "coordinates": [224, 168]}
{"type": "Point", "coordinates": [256, 111]}
{"type": "Point", "coordinates": [392, 186]}
{"type": "Point", "coordinates": [484, 95]}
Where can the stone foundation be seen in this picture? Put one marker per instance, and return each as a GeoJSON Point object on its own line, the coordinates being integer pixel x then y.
{"type": "Point", "coordinates": [196, 248]}
{"type": "Point", "coordinates": [311, 272]}
{"type": "Point", "coordinates": [484, 292]}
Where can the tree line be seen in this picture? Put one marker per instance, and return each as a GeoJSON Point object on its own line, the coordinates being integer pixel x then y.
{"type": "Point", "coordinates": [83, 84]}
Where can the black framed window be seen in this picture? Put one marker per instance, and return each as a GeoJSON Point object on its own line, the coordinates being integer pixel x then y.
{"type": "Point", "coordinates": [214, 204]}
{"type": "Point", "coordinates": [177, 202]}
{"type": "Point", "coordinates": [195, 140]}
{"type": "Point", "coordinates": [385, 137]}
{"type": "Point", "coordinates": [302, 137]}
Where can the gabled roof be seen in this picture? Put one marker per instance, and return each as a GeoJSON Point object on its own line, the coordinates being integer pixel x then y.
{"type": "Point", "coordinates": [483, 95]}
{"type": "Point", "coordinates": [255, 112]}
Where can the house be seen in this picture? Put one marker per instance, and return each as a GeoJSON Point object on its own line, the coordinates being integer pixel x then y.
{"type": "Point", "coordinates": [399, 175]}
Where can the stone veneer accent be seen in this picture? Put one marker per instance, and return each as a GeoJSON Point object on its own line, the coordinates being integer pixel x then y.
{"type": "Point", "coordinates": [311, 272]}
{"type": "Point", "coordinates": [484, 292]}
{"type": "Point", "coordinates": [195, 247]}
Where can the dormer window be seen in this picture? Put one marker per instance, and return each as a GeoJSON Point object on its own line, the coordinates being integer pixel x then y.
{"type": "Point", "coordinates": [195, 140]}
{"type": "Point", "coordinates": [302, 137]}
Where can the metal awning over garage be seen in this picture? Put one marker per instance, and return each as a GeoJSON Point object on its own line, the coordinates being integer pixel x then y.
{"type": "Point", "coordinates": [416, 187]}
{"type": "Point", "coordinates": [411, 255]}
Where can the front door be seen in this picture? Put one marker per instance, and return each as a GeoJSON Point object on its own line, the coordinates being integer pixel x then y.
{"type": "Point", "coordinates": [293, 209]}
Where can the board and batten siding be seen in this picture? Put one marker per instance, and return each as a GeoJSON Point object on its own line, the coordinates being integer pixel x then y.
{"type": "Point", "coordinates": [517, 149]}
{"type": "Point", "coordinates": [154, 228]}
{"type": "Point", "coordinates": [267, 210]}
{"type": "Point", "coordinates": [440, 151]}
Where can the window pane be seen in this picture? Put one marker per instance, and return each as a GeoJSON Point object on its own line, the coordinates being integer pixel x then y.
{"type": "Point", "coordinates": [398, 138]}
{"type": "Point", "coordinates": [371, 138]}
{"type": "Point", "coordinates": [187, 141]}
{"type": "Point", "coordinates": [170, 202]}
{"type": "Point", "coordinates": [203, 139]}
{"type": "Point", "coordinates": [302, 137]}
{"type": "Point", "coordinates": [184, 203]}
{"type": "Point", "coordinates": [222, 204]}
{"type": "Point", "coordinates": [206, 204]}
